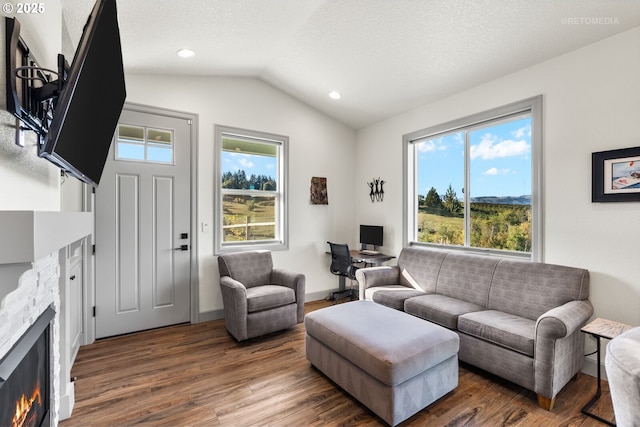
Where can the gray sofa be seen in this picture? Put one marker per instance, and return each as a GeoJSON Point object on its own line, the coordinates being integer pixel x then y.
{"type": "Point", "coordinates": [519, 320]}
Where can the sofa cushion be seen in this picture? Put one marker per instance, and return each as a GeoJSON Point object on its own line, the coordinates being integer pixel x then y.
{"type": "Point", "coordinates": [545, 286]}
{"type": "Point", "coordinates": [268, 296]}
{"type": "Point", "coordinates": [467, 277]}
{"type": "Point", "coordinates": [369, 293]}
{"type": "Point", "coordinates": [395, 298]}
{"type": "Point", "coordinates": [507, 330]}
{"type": "Point", "coordinates": [423, 264]}
{"type": "Point", "coordinates": [439, 309]}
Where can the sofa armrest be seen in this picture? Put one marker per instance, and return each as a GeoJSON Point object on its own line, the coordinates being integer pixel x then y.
{"type": "Point", "coordinates": [559, 347]}
{"type": "Point", "coordinates": [293, 280]}
{"type": "Point", "coordinates": [560, 322]}
{"type": "Point", "coordinates": [377, 276]}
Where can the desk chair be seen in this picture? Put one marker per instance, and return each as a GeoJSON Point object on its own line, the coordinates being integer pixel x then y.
{"type": "Point", "coordinates": [342, 266]}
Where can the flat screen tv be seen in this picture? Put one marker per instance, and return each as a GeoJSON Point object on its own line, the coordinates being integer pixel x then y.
{"type": "Point", "coordinates": [89, 106]}
{"type": "Point", "coordinates": [371, 235]}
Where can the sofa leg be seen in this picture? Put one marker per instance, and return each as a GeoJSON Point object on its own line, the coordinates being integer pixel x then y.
{"type": "Point", "coordinates": [546, 403]}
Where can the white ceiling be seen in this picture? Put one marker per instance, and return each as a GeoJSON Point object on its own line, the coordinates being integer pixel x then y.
{"type": "Point", "coordinates": [384, 56]}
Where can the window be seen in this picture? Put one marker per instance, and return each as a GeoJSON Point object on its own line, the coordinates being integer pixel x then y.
{"type": "Point", "coordinates": [474, 183]}
{"type": "Point", "coordinates": [144, 144]}
{"type": "Point", "coordinates": [251, 184]}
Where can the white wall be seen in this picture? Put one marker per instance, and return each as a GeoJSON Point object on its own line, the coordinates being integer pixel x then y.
{"type": "Point", "coordinates": [591, 102]}
{"type": "Point", "coordinates": [319, 146]}
{"type": "Point", "coordinates": [27, 181]}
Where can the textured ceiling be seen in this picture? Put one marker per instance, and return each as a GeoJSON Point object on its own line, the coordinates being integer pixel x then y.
{"type": "Point", "coordinates": [384, 56]}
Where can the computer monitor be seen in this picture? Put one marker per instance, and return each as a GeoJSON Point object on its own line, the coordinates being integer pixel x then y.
{"type": "Point", "coordinates": [371, 235]}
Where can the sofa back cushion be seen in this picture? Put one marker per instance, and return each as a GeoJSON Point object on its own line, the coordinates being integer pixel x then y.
{"type": "Point", "coordinates": [529, 289]}
{"type": "Point", "coordinates": [467, 277]}
{"type": "Point", "coordinates": [252, 268]}
{"type": "Point", "coordinates": [423, 266]}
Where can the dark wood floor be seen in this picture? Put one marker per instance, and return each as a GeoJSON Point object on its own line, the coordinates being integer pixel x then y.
{"type": "Point", "coordinates": [197, 375]}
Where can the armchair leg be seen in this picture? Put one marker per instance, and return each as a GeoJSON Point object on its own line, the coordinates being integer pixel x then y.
{"type": "Point", "coordinates": [546, 403]}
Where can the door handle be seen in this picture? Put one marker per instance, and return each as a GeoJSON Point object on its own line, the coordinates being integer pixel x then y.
{"type": "Point", "coordinates": [182, 248]}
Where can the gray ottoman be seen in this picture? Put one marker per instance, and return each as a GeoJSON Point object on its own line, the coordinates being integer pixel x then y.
{"type": "Point", "coordinates": [394, 363]}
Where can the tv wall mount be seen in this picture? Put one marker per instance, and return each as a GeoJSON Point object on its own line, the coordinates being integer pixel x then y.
{"type": "Point", "coordinates": [32, 91]}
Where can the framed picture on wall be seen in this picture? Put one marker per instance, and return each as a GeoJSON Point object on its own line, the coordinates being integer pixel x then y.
{"type": "Point", "coordinates": [616, 175]}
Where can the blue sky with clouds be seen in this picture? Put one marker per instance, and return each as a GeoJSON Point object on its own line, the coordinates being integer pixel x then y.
{"type": "Point", "coordinates": [251, 164]}
{"type": "Point", "coordinates": [500, 157]}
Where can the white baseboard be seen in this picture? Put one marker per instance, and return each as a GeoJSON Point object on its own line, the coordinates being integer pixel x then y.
{"type": "Point", "coordinates": [590, 367]}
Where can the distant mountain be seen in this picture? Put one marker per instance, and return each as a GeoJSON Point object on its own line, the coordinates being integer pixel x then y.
{"type": "Point", "coordinates": [503, 200]}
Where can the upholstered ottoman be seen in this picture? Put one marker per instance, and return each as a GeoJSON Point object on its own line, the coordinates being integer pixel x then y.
{"type": "Point", "coordinates": [394, 363]}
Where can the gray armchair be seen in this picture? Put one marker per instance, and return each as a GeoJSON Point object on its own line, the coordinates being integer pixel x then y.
{"type": "Point", "coordinates": [622, 363]}
{"type": "Point", "coordinates": [257, 298]}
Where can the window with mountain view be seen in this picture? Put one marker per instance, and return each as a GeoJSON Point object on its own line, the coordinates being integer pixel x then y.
{"type": "Point", "coordinates": [472, 183]}
{"type": "Point", "coordinates": [251, 178]}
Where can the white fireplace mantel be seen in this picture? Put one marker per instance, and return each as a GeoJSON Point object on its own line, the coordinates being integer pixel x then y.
{"type": "Point", "coordinates": [29, 235]}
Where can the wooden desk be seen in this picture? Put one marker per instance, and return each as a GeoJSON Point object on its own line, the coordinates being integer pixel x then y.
{"type": "Point", "coordinates": [373, 259]}
{"type": "Point", "coordinates": [601, 328]}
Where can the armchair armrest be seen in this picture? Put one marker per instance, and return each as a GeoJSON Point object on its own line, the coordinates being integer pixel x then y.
{"type": "Point", "coordinates": [234, 300]}
{"type": "Point", "coordinates": [560, 322]}
{"type": "Point", "coordinates": [293, 280]}
{"type": "Point", "coordinates": [288, 278]}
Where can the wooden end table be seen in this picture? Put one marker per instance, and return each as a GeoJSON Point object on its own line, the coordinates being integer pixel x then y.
{"type": "Point", "coordinates": [601, 328]}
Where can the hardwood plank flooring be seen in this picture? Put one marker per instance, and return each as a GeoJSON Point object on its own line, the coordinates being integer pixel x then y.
{"type": "Point", "coordinates": [198, 375]}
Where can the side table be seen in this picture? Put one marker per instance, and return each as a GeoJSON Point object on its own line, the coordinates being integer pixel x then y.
{"type": "Point", "coordinates": [601, 328]}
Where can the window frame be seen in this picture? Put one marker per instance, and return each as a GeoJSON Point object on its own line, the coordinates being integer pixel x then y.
{"type": "Point", "coordinates": [145, 143]}
{"type": "Point", "coordinates": [410, 200]}
{"type": "Point", "coordinates": [281, 193]}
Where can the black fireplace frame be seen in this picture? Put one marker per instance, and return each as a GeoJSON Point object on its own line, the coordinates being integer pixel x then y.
{"type": "Point", "coordinates": [12, 359]}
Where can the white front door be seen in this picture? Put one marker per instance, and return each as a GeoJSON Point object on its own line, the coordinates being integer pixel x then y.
{"type": "Point", "coordinates": [143, 226]}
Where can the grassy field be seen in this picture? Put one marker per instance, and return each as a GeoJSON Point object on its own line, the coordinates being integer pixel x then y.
{"type": "Point", "coordinates": [440, 229]}
{"type": "Point", "coordinates": [242, 211]}
{"type": "Point", "coordinates": [493, 226]}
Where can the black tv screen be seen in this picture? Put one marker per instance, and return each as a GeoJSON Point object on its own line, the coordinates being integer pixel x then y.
{"type": "Point", "coordinates": [89, 106]}
{"type": "Point", "coordinates": [371, 235]}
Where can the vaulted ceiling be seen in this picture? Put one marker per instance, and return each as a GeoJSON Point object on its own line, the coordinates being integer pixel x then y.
{"type": "Point", "coordinates": [383, 56]}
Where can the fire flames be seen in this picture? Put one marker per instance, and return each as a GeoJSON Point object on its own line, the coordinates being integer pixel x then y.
{"type": "Point", "coordinates": [24, 416]}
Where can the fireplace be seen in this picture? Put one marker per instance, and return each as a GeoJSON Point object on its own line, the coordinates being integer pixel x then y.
{"type": "Point", "coordinates": [25, 377]}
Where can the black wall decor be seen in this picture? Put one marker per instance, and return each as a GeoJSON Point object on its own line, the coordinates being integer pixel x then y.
{"type": "Point", "coordinates": [376, 190]}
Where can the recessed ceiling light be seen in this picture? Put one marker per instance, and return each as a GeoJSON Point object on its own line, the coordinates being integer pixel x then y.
{"type": "Point", "coordinates": [185, 53]}
{"type": "Point", "coordinates": [335, 95]}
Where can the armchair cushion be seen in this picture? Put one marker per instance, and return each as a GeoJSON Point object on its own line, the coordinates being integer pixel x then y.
{"type": "Point", "coordinates": [268, 296]}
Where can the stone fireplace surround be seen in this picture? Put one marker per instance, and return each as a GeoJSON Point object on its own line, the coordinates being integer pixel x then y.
{"type": "Point", "coordinates": [32, 255]}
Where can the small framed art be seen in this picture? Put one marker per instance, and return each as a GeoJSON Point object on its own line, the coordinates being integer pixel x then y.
{"type": "Point", "coordinates": [616, 175]}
